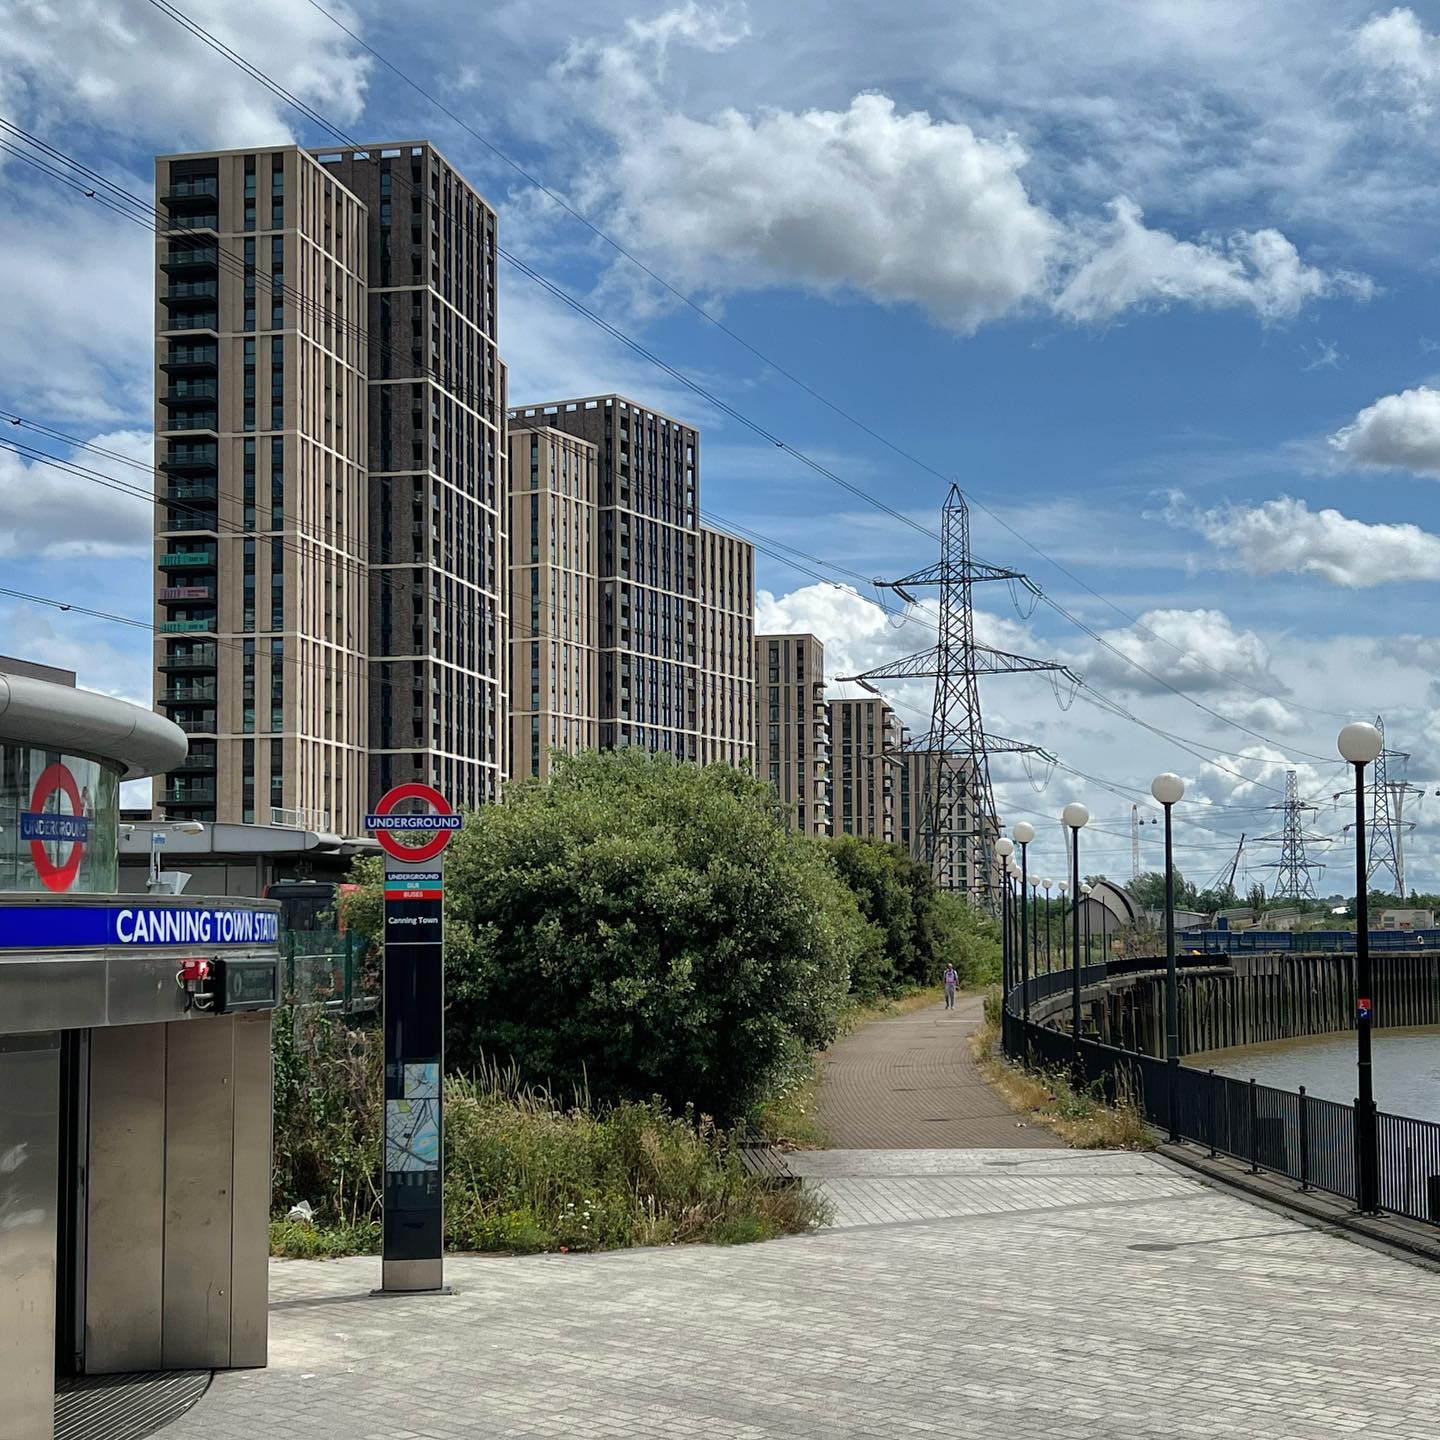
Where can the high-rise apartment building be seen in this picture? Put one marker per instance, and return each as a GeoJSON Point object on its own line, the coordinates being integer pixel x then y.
{"type": "Point", "coordinates": [438, 506]}
{"type": "Point", "coordinates": [955, 862]}
{"type": "Point", "coordinates": [332, 516]}
{"type": "Point", "coordinates": [792, 728]}
{"type": "Point", "coordinates": [865, 736]}
{"type": "Point", "coordinates": [675, 601]}
{"type": "Point", "coordinates": [554, 594]}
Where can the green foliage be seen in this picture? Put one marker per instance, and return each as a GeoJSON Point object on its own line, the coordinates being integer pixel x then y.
{"type": "Point", "coordinates": [917, 929]}
{"type": "Point", "coordinates": [522, 1174]}
{"type": "Point", "coordinates": [328, 1124]}
{"type": "Point", "coordinates": [636, 927]}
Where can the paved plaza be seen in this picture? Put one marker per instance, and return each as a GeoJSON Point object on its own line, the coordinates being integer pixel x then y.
{"type": "Point", "coordinates": [1020, 1292]}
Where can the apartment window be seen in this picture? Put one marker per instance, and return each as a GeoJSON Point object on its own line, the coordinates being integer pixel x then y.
{"type": "Point", "coordinates": [277, 772]}
{"type": "Point", "coordinates": [247, 782]}
{"type": "Point", "coordinates": [277, 684]}
{"type": "Point", "coordinates": [250, 194]}
{"type": "Point", "coordinates": [277, 585]}
{"type": "Point", "coordinates": [277, 481]}
{"type": "Point", "coordinates": [247, 687]}
{"type": "Point", "coordinates": [249, 481]}
{"type": "Point", "coordinates": [248, 581]}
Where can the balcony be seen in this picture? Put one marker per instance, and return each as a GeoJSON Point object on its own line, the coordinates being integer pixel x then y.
{"type": "Point", "coordinates": [199, 320]}
{"type": "Point", "coordinates": [183, 359]}
{"type": "Point", "coordinates": [192, 392]}
{"type": "Point", "coordinates": [198, 192]}
{"type": "Point", "coordinates": [193, 694]}
{"type": "Point", "coordinates": [197, 760]}
{"type": "Point", "coordinates": [189, 627]}
{"type": "Point", "coordinates": [202, 724]}
{"type": "Point", "coordinates": [188, 560]}
{"type": "Point", "coordinates": [204, 220]}
{"type": "Point", "coordinates": [179, 793]}
{"type": "Point", "coordinates": [192, 420]}
{"type": "Point", "coordinates": [183, 258]}
{"type": "Point", "coordinates": [193, 490]}
{"type": "Point", "coordinates": [190, 293]}
{"type": "Point", "coordinates": [186, 594]}
{"type": "Point", "coordinates": [191, 457]}
{"type": "Point", "coordinates": [196, 657]}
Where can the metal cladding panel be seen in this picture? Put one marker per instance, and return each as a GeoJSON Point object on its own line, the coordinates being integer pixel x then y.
{"type": "Point", "coordinates": [51, 994]}
{"type": "Point", "coordinates": [250, 1237]}
{"type": "Point", "coordinates": [199, 1129]}
{"type": "Point", "coordinates": [29, 1138]}
{"type": "Point", "coordinates": [125, 1221]}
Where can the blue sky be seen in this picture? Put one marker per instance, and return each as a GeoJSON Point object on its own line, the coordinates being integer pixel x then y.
{"type": "Point", "coordinates": [1155, 282]}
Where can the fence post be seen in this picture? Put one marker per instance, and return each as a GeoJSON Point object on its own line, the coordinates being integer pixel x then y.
{"type": "Point", "coordinates": [1254, 1128]}
{"type": "Point", "coordinates": [1304, 1139]}
{"type": "Point", "coordinates": [1214, 1112]}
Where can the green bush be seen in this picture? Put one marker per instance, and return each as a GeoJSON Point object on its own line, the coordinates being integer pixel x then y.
{"type": "Point", "coordinates": [634, 926]}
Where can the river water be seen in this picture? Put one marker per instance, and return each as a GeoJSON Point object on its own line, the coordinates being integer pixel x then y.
{"type": "Point", "coordinates": [1407, 1068]}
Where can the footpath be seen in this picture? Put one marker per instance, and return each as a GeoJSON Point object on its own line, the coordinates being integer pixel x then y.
{"type": "Point", "coordinates": [977, 1281]}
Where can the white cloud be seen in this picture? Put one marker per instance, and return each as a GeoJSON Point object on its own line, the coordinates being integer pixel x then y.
{"type": "Point", "coordinates": [1263, 713]}
{"type": "Point", "coordinates": [133, 70]}
{"type": "Point", "coordinates": [1285, 536]}
{"type": "Point", "coordinates": [900, 206]}
{"type": "Point", "coordinates": [1130, 265]}
{"type": "Point", "coordinates": [1398, 431]}
{"type": "Point", "coordinates": [46, 512]}
{"type": "Point", "coordinates": [1402, 57]}
{"type": "Point", "coordinates": [1198, 651]}
{"type": "Point", "coordinates": [109, 658]}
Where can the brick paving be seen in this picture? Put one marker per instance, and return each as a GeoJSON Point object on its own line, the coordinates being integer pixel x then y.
{"type": "Point", "coordinates": [910, 1083]}
{"type": "Point", "coordinates": [1012, 1291]}
{"type": "Point", "coordinates": [1064, 1296]}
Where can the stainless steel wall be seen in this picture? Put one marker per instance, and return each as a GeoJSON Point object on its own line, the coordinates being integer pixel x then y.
{"type": "Point", "coordinates": [29, 1152]}
{"type": "Point", "coordinates": [179, 1195]}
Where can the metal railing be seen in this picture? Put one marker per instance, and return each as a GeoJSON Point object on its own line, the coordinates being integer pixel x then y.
{"type": "Point", "coordinates": [1308, 1139]}
{"type": "Point", "coordinates": [323, 969]}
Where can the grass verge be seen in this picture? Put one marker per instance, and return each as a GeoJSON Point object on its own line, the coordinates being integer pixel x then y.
{"type": "Point", "coordinates": [1081, 1118]}
{"type": "Point", "coordinates": [523, 1172]}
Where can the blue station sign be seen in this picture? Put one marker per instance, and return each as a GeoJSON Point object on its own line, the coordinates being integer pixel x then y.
{"type": "Point", "coordinates": [139, 926]}
{"type": "Point", "coordinates": [72, 829]}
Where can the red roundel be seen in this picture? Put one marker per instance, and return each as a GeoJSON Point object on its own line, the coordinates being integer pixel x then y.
{"type": "Point", "coordinates": [56, 877]}
{"type": "Point", "coordinates": [390, 840]}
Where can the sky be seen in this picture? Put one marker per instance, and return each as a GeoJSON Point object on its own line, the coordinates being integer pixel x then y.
{"type": "Point", "coordinates": [1154, 282]}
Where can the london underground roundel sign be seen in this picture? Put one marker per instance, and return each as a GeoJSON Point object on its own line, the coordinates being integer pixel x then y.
{"type": "Point", "coordinates": [45, 824]}
{"type": "Point", "coordinates": [439, 825]}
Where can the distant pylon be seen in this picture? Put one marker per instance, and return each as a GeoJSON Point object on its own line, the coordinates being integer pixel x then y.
{"type": "Point", "coordinates": [1292, 879]}
{"type": "Point", "coordinates": [953, 824]}
{"type": "Point", "coordinates": [1134, 842]}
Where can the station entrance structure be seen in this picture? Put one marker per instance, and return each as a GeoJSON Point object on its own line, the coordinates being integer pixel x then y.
{"type": "Point", "coordinates": [135, 1070]}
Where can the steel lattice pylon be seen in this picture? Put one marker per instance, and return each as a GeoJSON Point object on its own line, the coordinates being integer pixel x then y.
{"type": "Point", "coordinates": [951, 819]}
{"type": "Point", "coordinates": [1292, 877]}
{"type": "Point", "coordinates": [1387, 827]}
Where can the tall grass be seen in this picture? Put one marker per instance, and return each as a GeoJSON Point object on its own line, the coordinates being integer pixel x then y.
{"type": "Point", "coordinates": [525, 1170]}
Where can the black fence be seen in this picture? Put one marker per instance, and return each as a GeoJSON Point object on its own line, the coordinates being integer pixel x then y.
{"type": "Point", "coordinates": [1282, 1131]}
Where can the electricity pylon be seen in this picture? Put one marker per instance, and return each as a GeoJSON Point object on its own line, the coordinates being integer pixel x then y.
{"type": "Point", "coordinates": [957, 731]}
{"type": "Point", "coordinates": [1292, 877]}
{"type": "Point", "coordinates": [1387, 825]}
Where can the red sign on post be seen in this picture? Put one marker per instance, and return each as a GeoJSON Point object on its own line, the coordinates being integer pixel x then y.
{"type": "Point", "coordinates": [440, 824]}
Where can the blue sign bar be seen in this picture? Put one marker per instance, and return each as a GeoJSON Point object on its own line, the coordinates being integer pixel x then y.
{"type": "Point", "coordinates": [414, 822]}
{"type": "Point", "coordinates": [52, 927]}
{"type": "Point", "coordinates": [50, 826]}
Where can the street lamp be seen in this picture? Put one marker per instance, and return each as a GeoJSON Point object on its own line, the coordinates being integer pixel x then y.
{"type": "Point", "coordinates": [157, 839]}
{"type": "Point", "coordinates": [1062, 887]}
{"type": "Point", "coordinates": [1047, 884]}
{"type": "Point", "coordinates": [1076, 817]}
{"type": "Point", "coordinates": [1005, 848]}
{"type": "Point", "coordinates": [1086, 892]}
{"type": "Point", "coordinates": [1360, 744]}
{"type": "Point", "coordinates": [1024, 833]}
{"type": "Point", "coordinates": [1169, 790]}
{"type": "Point", "coordinates": [1035, 920]}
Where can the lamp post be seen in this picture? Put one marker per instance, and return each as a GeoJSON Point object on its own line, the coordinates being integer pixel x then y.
{"type": "Point", "coordinates": [1169, 790]}
{"type": "Point", "coordinates": [1035, 921]}
{"type": "Point", "coordinates": [1360, 744]}
{"type": "Point", "coordinates": [1076, 816]}
{"type": "Point", "coordinates": [1004, 849]}
{"type": "Point", "coordinates": [1024, 833]}
{"type": "Point", "coordinates": [1063, 887]}
{"type": "Point", "coordinates": [1086, 892]}
{"type": "Point", "coordinates": [1046, 884]}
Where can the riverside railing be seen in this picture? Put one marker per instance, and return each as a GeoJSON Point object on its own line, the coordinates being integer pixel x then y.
{"type": "Point", "coordinates": [1308, 1139]}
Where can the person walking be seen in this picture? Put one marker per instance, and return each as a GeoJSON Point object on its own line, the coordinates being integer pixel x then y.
{"type": "Point", "coordinates": [951, 981]}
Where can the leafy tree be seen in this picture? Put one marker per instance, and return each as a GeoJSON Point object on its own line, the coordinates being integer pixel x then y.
{"type": "Point", "coordinates": [633, 926]}
{"type": "Point", "coordinates": [898, 897]}
{"type": "Point", "coordinates": [1149, 891]}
